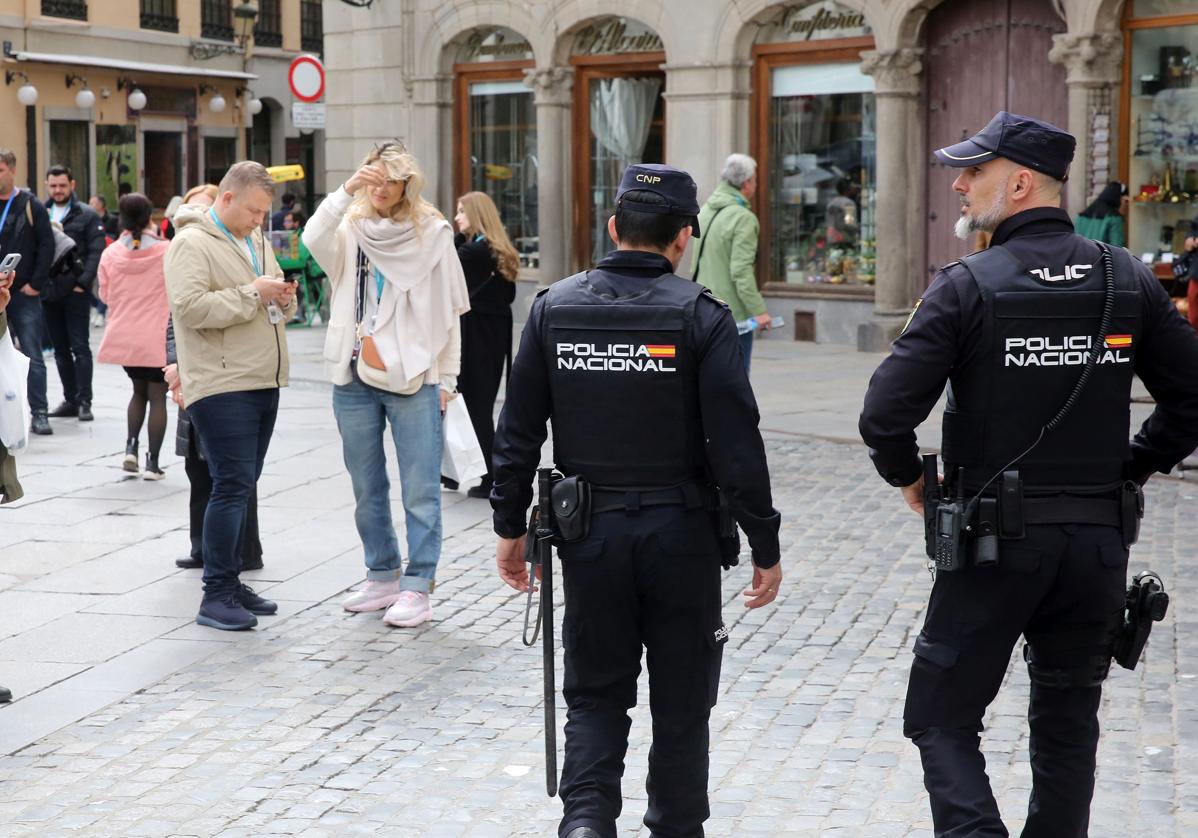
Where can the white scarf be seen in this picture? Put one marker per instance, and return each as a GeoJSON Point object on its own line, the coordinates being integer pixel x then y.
{"type": "Point", "coordinates": [424, 295]}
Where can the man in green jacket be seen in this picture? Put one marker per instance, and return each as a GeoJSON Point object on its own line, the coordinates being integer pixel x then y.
{"type": "Point", "coordinates": [726, 253]}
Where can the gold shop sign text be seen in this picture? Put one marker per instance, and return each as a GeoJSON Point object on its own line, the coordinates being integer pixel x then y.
{"type": "Point", "coordinates": [815, 22]}
{"type": "Point", "coordinates": [615, 36]}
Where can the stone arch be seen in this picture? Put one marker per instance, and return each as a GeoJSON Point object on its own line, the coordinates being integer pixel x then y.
{"type": "Point", "coordinates": [1101, 16]}
{"type": "Point", "coordinates": [571, 15]}
{"type": "Point", "coordinates": [434, 55]}
{"type": "Point", "coordinates": [737, 29]}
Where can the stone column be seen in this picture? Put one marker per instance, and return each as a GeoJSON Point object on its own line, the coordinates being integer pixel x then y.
{"type": "Point", "coordinates": [899, 211]}
{"type": "Point", "coordinates": [551, 88]}
{"type": "Point", "coordinates": [1093, 64]}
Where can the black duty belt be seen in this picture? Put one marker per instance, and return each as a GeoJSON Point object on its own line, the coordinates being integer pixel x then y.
{"type": "Point", "coordinates": [692, 495]}
{"type": "Point", "coordinates": [1071, 509]}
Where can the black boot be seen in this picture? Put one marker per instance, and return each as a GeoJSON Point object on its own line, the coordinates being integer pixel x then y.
{"type": "Point", "coordinates": [39, 424]}
{"type": "Point", "coordinates": [583, 832]}
{"type": "Point", "coordinates": [152, 472]}
{"type": "Point", "coordinates": [66, 410]}
{"type": "Point", "coordinates": [85, 412]}
{"type": "Point", "coordinates": [130, 461]}
{"type": "Point", "coordinates": [189, 562]}
{"type": "Point", "coordinates": [5, 695]}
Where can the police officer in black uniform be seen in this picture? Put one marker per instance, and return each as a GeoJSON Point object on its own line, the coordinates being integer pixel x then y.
{"type": "Point", "coordinates": [1010, 329]}
{"type": "Point", "coordinates": [640, 372]}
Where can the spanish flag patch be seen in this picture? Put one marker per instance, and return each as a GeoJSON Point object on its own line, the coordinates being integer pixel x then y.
{"type": "Point", "coordinates": [660, 351]}
{"type": "Point", "coordinates": [1118, 341]}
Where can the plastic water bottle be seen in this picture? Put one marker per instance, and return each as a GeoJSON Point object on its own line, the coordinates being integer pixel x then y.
{"type": "Point", "coordinates": [749, 324]}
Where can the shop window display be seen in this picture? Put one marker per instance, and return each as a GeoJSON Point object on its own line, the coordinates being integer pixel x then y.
{"type": "Point", "coordinates": [822, 160]}
{"type": "Point", "coordinates": [1163, 140]}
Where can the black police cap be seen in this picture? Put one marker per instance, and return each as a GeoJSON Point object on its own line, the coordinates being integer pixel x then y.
{"type": "Point", "coordinates": [674, 186]}
{"type": "Point", "coordinates": [1029, 142]}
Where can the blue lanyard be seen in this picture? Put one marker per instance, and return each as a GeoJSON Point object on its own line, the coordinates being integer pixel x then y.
{"type": "Point", "coordinates": [249, 243]}
{"type": "Point", "coordinates": [378, 282]}
{"type": "Point", "coordinates": [7, 207]}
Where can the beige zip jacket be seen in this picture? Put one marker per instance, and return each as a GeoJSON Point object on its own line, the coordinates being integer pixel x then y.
{"type": "Point", "coordinates": [223, 334]}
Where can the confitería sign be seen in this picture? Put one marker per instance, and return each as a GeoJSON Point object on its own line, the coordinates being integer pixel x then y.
{"type": "Point", "coordinates": [814, 22]}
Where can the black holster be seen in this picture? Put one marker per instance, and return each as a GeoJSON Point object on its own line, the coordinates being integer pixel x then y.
{"type": "Point", "coordinates": [726, 532]}
{"type": "Point", "coordinates": [1131, 509]}
{"type": "Point", "coordinates": [571, 501]}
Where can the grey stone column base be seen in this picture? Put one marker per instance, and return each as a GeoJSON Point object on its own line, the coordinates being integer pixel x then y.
{"type": "Point", "coordinates": [877, 333]}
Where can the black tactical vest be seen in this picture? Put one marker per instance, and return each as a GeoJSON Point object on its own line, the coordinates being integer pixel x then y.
{"type": "Point", "coordinates": [623, 382]}
{"type": "Point", "coordinates": [1035, 341]}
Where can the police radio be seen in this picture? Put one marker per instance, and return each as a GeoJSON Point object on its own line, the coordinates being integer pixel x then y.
{"type": "Point", "coordinates": [945, 521]}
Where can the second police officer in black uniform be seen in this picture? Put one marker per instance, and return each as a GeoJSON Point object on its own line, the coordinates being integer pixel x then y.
{"type": "Point", "coordinates": [1010, 330]}
{"type": "Point", "coordinates": [640, 372]}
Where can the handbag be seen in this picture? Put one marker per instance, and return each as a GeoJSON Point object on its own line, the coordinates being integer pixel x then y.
{"type": "Point", "coordinates": [366, 361]}
{"type": "Point", "coordinates": [14, 403]}
{"type": "Point", "coordinates": [461, 456]}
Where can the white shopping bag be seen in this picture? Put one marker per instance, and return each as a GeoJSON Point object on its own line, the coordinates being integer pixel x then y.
{"type": "Point", "coordinates": [461, 456]}
{"type": "Point", "coordinates": [14, 401]}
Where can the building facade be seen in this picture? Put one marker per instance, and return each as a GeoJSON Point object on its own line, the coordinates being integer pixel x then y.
{"type": "Point", "coordinates": [542, 104]}
{"type": "Point", "coordinates": [155, 96]}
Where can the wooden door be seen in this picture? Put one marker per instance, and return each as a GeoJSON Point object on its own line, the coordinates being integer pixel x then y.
{"type": "Point", "coordinates": [981, 57]}
{"type": "Point", "coordinates": [597, 170]}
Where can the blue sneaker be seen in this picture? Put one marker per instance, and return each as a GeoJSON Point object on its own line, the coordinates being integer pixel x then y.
{"type": "Point", "coordinates": [225, 612]}
{"type": "Point", "coordinates": [255, 604]}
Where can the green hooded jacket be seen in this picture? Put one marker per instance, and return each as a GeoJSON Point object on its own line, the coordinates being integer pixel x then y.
{"type": "Point", "coordinates": [10, 489]}
{"type": "Point", "coordinates": [726, 253]}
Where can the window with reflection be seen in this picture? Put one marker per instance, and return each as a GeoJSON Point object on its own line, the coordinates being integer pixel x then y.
{"type": "Point", "coordinates": [822, 122]}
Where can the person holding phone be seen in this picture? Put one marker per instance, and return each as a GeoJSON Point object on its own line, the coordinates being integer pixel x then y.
{"type": "Point", "coordinates": [397, 286]}
{"type": "Point", "coordinates": [25, 229]}
{"type": "Point", "coordinates": [228, 301]}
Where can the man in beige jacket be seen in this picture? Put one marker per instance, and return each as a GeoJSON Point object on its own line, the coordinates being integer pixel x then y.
{"type": "Point", "coordinates": [230, 307]}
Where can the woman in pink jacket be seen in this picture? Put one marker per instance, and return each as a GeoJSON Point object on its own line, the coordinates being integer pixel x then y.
{"type": "Point", "coordinates": [131, 282]}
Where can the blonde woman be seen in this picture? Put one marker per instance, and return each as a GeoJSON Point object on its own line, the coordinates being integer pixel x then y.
{"type": "Point", "coordinates": [490, 264]}
{"type": "Point", "coordinates": [396, 280]}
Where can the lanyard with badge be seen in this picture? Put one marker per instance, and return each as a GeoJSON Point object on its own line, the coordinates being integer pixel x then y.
{"type": "Point", "coordinates": [273, 312]}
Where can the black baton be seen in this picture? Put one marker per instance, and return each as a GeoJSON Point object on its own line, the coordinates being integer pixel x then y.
{"type": "Point", "coordinates": [545, 548]}
{"type": "Point", "coordinates": [540, 552]}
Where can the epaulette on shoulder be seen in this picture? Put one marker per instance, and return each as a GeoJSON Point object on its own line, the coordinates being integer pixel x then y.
{"type": "Point", "coordinates": [707, 292]}
{"type": "Point", "coordinates": [543, 291]}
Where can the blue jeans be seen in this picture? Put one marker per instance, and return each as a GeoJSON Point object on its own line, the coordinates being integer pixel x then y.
{"type": "Point", "coordinates": [235, 430]}
{"type": "Point", "coordinates": [746, 347]}
{"type": "Point", "coordinates": [28, 327]}
{"type": "Point", "coordinates": [69, 322]}
{"type": "Point", "coordinates": [362, 415]}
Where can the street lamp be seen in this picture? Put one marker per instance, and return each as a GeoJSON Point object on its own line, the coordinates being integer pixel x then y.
{"type": "Point", "coordinates": [26, 93]}
{"type": "Point", "coordinates": [136, 99]}
{"type": "Point", "coordinates": [84, 98]}
{"type": "Point", "coordinates": [245, 15]}
{"type": "Point", "coordinates": [217, 103]}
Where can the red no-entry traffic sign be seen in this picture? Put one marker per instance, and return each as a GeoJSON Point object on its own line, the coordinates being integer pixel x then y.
{"type": "Point", "coordinates": [305, 76]}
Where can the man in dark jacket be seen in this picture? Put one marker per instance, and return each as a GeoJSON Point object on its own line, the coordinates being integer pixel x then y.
{"type": "Point", "coordinates": [25, 229]}
{"type": "Point", "coordinates": [66, 299]}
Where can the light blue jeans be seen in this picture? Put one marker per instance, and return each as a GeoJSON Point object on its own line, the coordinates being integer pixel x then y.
{"type": "Point", "coordinates": [362, 415]}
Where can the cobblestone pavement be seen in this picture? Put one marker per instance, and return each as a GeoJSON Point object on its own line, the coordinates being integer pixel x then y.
{"type": "Point", "coordinates": [323, 723]}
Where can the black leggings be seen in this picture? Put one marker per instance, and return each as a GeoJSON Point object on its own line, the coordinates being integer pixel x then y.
{"type": "Point", "coordinates": [153, 393]}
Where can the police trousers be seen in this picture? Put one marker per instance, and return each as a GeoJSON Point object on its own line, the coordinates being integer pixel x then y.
{"type": "Point", "coordinates": [1062, 588]}
{"type": "Point", "coordinates": [641, 581]}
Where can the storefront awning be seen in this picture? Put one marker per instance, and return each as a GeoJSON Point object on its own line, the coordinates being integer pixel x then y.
{"type": "Point", "coordinates": [130, 66]}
